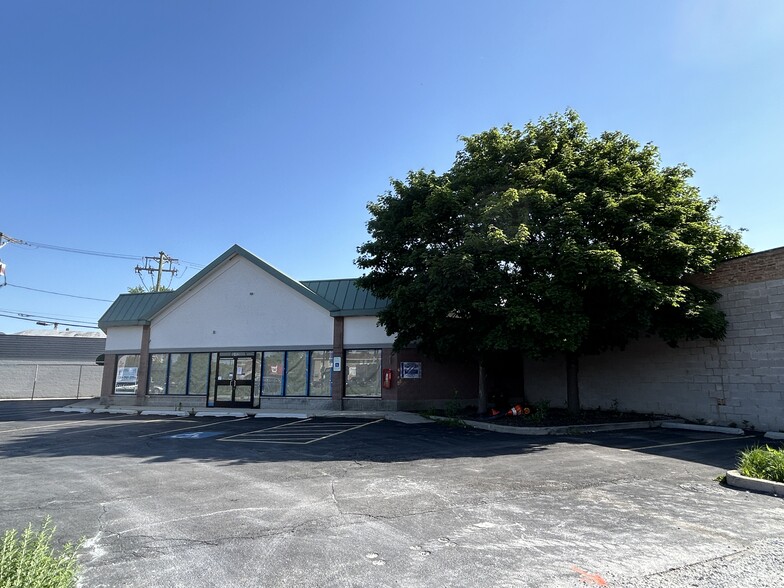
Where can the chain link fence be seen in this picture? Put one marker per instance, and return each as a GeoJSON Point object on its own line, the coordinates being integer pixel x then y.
{"type": "Point", "coordinates": [49, 380]}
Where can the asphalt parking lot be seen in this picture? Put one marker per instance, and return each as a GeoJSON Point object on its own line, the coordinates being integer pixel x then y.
{"type": "Point", "coordinates": [165, 501]}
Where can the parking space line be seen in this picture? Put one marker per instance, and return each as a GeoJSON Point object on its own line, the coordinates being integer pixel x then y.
{"type": "Point", "coordinates": [297, 433]}
{"type": "Point", "coordinates": [60, 415]}
{"type": "Point", "coordinates": [72, 422]}
{"type": "Point", "coordinates": [194, 427]}
{"type": "Point", "coordinates": [347, 430]}
{"type": "Point", "coordinates": [71, 425]}
{"type": "Point", "coordinates": [267, 429]}
{"type": "Point", "coordinates": [99, 428]}
{"type": "Point", "coordinates": [687, 443]}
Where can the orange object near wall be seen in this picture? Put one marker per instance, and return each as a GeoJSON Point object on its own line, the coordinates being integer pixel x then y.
{"type": "Point", "coordinates": [387, 376]}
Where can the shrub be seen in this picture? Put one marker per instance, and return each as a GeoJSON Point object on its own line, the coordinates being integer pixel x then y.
{"type": "Point", "coordinates": [766, 463]}
{"type": "Point", "coordinates": [29, 560]}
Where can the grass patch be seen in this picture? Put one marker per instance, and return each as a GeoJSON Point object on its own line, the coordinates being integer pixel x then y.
{"type": "Point", "coordinates": [28, 560]}
{"type": "Point", "coordinates": [765, 463]}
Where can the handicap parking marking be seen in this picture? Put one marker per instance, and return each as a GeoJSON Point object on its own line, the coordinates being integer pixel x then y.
{"type": "Point", "coordinates": [163, 433]}
{"type": "Point", "coordinates": [196, 435]}
{"type": "Point", "coordinates": [301, 432]}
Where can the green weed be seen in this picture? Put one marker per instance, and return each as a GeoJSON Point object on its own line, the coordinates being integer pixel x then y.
{"type": "Point", "coordinates": [765, 463]}
{"type": "Point", "coordinates": [28, 560]}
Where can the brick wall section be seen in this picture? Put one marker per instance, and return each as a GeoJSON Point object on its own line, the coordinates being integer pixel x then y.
{"type": "Point", "coordinates": [738, 380]}
{"type": "Point", "coordinates": [756, 267]}
{"type": "Point", "coordinates": [440, 385]}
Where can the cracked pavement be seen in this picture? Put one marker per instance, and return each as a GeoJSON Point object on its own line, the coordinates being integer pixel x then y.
{"type": "Point", "coordinates": [386, 505]}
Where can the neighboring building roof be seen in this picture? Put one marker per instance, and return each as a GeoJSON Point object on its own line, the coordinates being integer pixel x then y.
{"type": "Point", "coordinates": [60, 349]}
{"type": "Point", "coordinates": [339, 297]}
{"type": "Point", "coordinates": [59, 333]}
{"type": "Point", "coordinates": [350, 299]}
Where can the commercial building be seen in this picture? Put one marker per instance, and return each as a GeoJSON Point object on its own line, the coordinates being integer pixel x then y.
{"type": "Point", "coordinates": [243, 334]}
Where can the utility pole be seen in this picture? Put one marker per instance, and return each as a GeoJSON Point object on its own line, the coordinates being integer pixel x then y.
{"type": "Point", "coordinates": [5, 240]}
{"type": "Point", "coordinates": [155, 265]}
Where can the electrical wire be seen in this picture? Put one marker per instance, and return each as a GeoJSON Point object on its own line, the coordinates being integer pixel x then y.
{"type": "Point", "coordinates": [35, 313]}
{"type": "Point", "coordinates": [59, 293]}
{"type": "Point", "coordinates": [37, 245]}
{"type": "Point", "coordinates": [64, 249]}
{"type": "Point", "coordinates": [37, 319]}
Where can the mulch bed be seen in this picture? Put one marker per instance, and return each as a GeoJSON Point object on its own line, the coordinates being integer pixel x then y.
{"type": "Point", "coordinates": [557, 417]}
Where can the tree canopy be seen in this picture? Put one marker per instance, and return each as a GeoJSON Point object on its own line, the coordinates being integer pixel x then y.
{"type": "Point", "coordinates": [145, 289]}
{"type": "Point", "coordinates": [545, 240]}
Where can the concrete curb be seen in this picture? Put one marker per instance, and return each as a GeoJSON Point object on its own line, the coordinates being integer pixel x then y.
{"type": "Point", "coordinates": [706, 428]}
{"type": "Point", "coordinates": [69, 409]}
{"type": "Point", "coordinates": [164, 413]}
{"type": "Point", "coordinates": [562, 430]}
{"type": "Point", "coordinates": [115, 411]}
{"type": "Point", "coordinates": [774, 435]}
{"type": "Point", "coordinates": [737, 480]}
{"type": "Point", "coordinates": [91, 405]}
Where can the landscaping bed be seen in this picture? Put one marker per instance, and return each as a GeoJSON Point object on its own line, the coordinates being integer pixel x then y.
{"type": "Point", "coordinates": [560, 417]}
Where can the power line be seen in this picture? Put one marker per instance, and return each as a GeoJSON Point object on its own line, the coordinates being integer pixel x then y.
{"type": "Point", "coordinates": [36, 314]}
{"type": "Point", "coordinates": [36, 320]}
{"type": "Point", "coordinates": [59, 293]}
{"type": "Point", "coordinates": [37, 245]}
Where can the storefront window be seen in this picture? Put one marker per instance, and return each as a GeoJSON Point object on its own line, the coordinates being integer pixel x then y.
{"type": "Point", "coordinates": [320, 373]}
{"type": "Point", "coordinates": [296, 373]}
{"type": "Point", "coordinates": [363, 372]}
{"type": "Point", "coordinates": [159, 363]}
{"type": "Point", "coordinates": [127, 374]}
{"type": "Point", "coordinates": [272, 373]}
{"type": "Point", "coordinates": [200, 365]}
{"type": "Point", "coordinates": [178, 373]}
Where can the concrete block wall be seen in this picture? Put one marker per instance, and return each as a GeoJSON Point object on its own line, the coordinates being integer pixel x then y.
{"type": "Point", "coordinates": [738, 380]}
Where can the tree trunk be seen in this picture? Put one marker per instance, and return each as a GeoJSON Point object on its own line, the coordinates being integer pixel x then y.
{"type": "Point", "coordinates": [572, 389]}
{"type": "Point", "coordinates": [482, 397]}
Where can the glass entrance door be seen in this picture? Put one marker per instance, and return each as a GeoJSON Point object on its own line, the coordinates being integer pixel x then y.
{"type": "Point", "coordinates": [234, 380]}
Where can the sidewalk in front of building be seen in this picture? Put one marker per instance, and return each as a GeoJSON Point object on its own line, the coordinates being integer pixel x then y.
{"type": "Point", "coordinates": [94, 405]}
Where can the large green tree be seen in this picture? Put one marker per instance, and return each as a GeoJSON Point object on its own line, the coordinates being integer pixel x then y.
{"type": "Point", "coordinates": [545, 241]}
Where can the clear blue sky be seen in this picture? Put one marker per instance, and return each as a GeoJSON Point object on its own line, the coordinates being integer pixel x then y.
{"type": "Point", "coordinates": [187, 126]}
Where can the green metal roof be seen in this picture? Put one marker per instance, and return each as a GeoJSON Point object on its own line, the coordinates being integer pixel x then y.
{"type": "Point", "coordinates": [350, 299]}
{"type": "Point", "coordinates": [339, 297]}
{"type": "Point", "coordinates": [134, 309]}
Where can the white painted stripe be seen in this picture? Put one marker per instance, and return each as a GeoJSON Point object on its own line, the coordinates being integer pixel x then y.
{"type": "Point", "coordinates": [687, 443]}
{"type": "Point", "coordinates": [292, 434]}
{"type": "Point", "coordinates": [259, 430]}
{"type": "Point", "coordinates": [281, 415]}
{"type": "Point", "coordinates": [347, 430]}
{"type": "Point", "coordinates": [187, 428]}
{"type": "Point", "coordinates": [67, 425]}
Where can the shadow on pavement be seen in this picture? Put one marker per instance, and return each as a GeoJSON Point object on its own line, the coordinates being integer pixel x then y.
{"type": "Point", "coordinates": [150, 439]}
